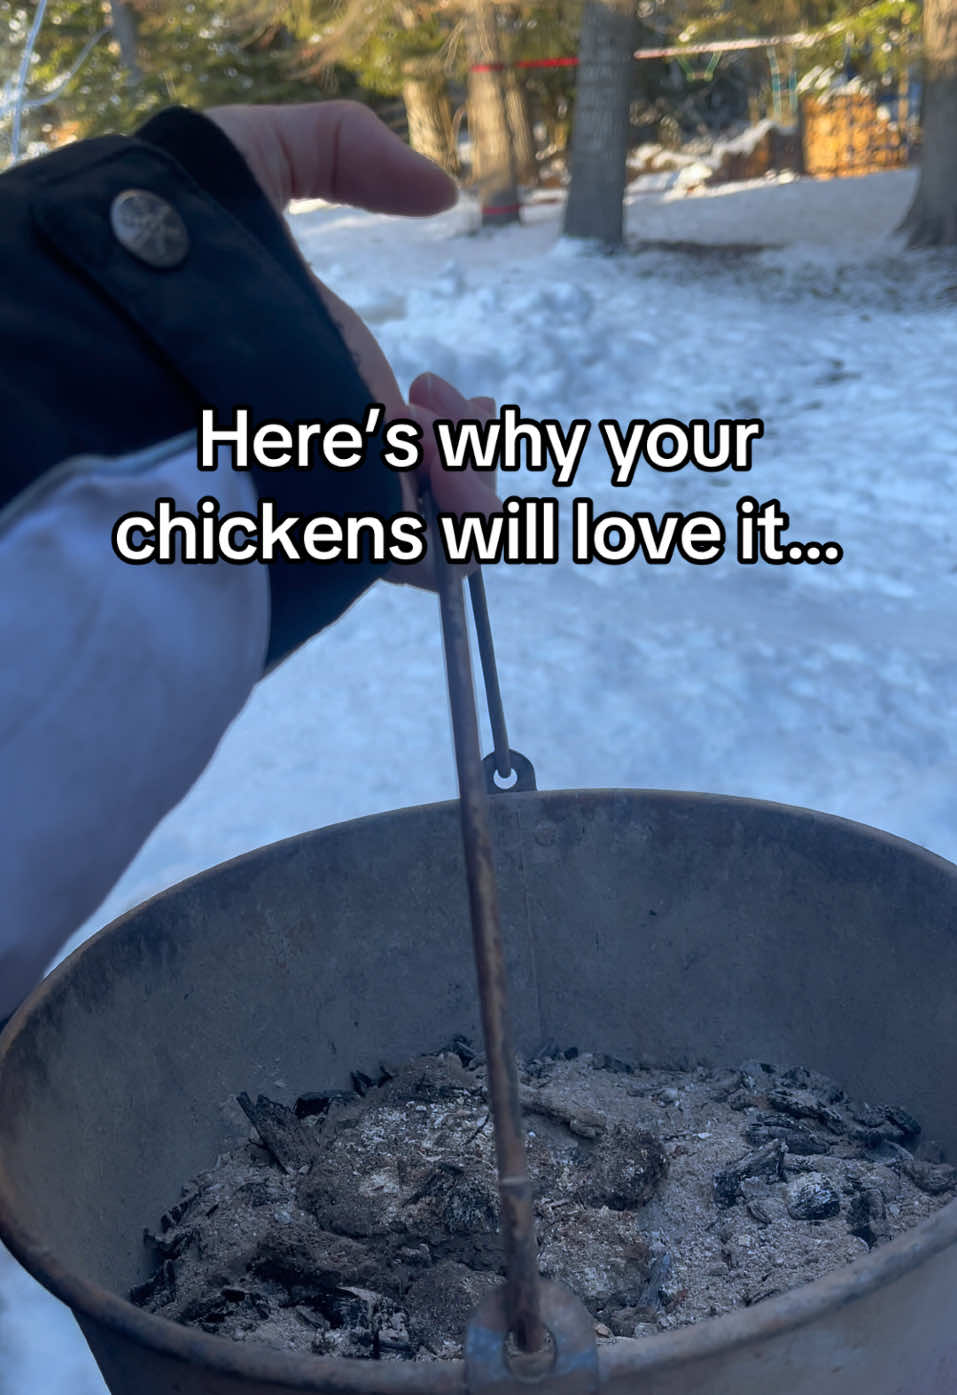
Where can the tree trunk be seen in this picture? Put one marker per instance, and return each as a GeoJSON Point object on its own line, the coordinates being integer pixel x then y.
{"type": "Point", "coordinates": [931, 220]}
{"type": "Point", "coordinates": [493, 156]}
{"type": "Point", "coordinates": [426, 100]}
{"type": "Point", "coordinates": [124, 24]}
{"type": "Point", "coordinates": [600, 128]}
{"type": "Point", "coordinates": [516, 107]}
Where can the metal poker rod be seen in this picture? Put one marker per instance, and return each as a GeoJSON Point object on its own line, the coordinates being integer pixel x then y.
{"type": "Point", "coordinates": [523, 1293]}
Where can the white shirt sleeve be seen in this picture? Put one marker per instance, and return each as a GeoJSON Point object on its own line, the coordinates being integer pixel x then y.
{"type": "Point", "coordinates": [117, 683]}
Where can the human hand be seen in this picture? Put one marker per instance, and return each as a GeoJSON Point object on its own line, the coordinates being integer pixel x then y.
{"type": "Point", "coordinates": [459, 491]}
{"type": "Point", "coordinates": [342, 152]}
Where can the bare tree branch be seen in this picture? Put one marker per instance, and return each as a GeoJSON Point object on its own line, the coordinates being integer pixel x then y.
{"type": "Point", "coordinates": [22, 77]}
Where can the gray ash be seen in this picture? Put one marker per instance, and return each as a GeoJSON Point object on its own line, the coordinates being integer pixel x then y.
{"type": "Point", "coordinates": [365, 1224]}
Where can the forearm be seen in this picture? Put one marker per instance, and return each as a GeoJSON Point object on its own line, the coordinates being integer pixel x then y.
{"type": "Point", "coordinates": [118, 681]}
{"type": "Point", "coordinates": [116, 685]}
{"type": "Point", "coordinates": [105, 353]}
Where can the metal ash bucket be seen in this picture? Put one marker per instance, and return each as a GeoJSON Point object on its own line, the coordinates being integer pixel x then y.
{"type": "Point", "coordinates": [655, 926]}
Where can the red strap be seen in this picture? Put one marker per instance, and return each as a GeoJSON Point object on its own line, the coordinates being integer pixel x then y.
{"type": "Point", "coordinates": [547, 63]}
{"type": "Point", "coordinates": [525, 63]}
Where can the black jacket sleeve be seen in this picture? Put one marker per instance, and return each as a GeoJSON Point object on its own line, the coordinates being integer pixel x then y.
{"type": "Point", "coordinates": [104, 353]}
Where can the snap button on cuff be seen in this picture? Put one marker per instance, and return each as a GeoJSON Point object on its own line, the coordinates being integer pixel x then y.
{"type": "Point", "coordinates": [149, 228]}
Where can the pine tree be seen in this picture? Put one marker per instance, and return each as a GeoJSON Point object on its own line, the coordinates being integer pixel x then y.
{"type": "Point", "coordinates": [600, 132]}
{"type": "Point", "coordinates": [493, 160]}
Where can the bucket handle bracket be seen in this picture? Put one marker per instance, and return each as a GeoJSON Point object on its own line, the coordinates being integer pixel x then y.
{"type": "Point", "coordinates": [518, 764]}
{"type": "Point", "coordinates": [569, 1365]}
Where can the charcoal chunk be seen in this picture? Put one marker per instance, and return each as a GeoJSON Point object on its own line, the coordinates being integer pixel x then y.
{"type": "Point", "coordinates": [826, 1089]}
{"type": "Point", "coordinates": [601, 1061]}
{"type": "Point", "coordinates": [904, 1122]}
{"type": "Point", "coordinates": [868, 1115]}
{"type": "Point", "coordinates": [802, 1104]}
{"type": "Point", "coordinates": [317, 1102]}
{"type": "Point", "coordinates": [795, 1136]}
{"type": "Point", "coordinates": [767, 1161]}
{"type": "Point", "coordinates": [175, 1214]}
{"type": "Point", "coordinates": [461, 1046]}
{"type": "Point", "coordinates": [867, 1217]}
{"type": "Point", "coordinates": [726, 1188]}
{"type": "Point", "coordinates": [158, 1290]}
{"type": "Point", "coordinates": [812, 1197]}
{"type": "Point", "coordinates": [288, 1140]}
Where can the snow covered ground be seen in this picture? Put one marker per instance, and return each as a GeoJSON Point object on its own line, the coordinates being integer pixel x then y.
{"type": "Point", "coordinates": [829, 686]}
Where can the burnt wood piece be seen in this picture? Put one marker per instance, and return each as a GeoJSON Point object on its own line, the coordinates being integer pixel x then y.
{"type": "Point", "coordinates": [801, 1104]}
{"type": "Point", "coordinates": [160, 1288]}
{"type": "Point", "coordinates": [795, 1137]}
{"type": "Point", "coordinates": [586, 1123]}
{"type": "Point", "coordinates": [290, 1143]}
{"type": "Point", "coordinates": [763, 1162]}
{"type": "Point", "coordinates": [318, 1101]}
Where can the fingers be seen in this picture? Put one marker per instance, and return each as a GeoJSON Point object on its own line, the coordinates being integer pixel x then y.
{"type": "Point", "coordinates": [439, 396]}
{"type": "Point", "coordinates": [455, 491]}
{"type": "Point", "coordinates": [335, 150]}
{"type": "Point", "coordinates": [343, 148]}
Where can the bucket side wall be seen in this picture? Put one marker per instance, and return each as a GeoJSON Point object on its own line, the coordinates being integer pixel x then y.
{"type": "Point", "coordinates": [682, 929]}
{"type": "Point", "coordinates": [660, 926]}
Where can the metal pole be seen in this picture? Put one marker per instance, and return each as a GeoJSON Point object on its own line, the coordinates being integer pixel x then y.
{"type": "Point", "coordinates": [493, 693]}
{"type": "Point", "coordinates": [775, 82]}
{"type": "Point", "coordinates": [523, 1296]}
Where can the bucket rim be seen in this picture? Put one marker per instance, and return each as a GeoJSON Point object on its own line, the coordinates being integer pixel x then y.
{"type": "Point", "coordinates": [623, 1359]}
